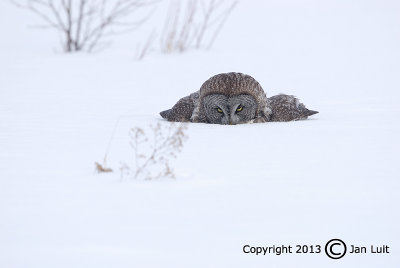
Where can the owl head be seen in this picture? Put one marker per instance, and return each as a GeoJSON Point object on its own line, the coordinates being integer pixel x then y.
{"type": "Point", "coordinates": [231, 98]}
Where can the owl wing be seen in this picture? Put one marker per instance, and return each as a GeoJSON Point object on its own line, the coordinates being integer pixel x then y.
{"type": "Point", "coordinates": [182, 111]}
{"type": "Point", "coordinates": [288, 108]}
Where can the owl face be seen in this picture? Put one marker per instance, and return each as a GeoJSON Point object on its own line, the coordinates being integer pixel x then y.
{"type": "Point", "coordinates": [222, 109]}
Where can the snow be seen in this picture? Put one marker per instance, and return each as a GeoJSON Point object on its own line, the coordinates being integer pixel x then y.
{"type": "Point", "coordinates": [306, 182]}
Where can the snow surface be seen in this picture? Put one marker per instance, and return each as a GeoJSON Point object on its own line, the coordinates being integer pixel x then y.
{"type": "Point", "coordinates": [332, 176]}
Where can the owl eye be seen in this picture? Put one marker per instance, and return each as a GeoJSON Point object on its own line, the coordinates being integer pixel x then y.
{"type": "Point", "coordinates": [240, 108]}
{"type": "Point", "coordinates": [219, 110]}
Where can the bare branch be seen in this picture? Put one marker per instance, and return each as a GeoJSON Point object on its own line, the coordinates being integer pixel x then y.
{"type": "Point", "coordinates": [84, 23]}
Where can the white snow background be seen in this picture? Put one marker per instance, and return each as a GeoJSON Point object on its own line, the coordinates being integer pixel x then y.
{"type": "Point", "coordinates": [335, 175]}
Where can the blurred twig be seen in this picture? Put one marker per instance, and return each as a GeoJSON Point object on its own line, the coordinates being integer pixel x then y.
{"type": "Point", "coordinates": [189, 29]}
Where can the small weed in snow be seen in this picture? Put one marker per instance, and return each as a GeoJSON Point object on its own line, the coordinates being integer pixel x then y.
{"type": "Point", "coordinates": [153, 151]}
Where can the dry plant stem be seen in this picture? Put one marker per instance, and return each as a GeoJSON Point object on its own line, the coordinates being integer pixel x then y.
{"type": "Point", "coordinates": [83, 23]}
{"type": "Point", "coordinates": [163, 148]}
{"type": "Point", "coordinates": [170, 28]}
{"type": "Point", "coordinates": [207, 14]}
{"type": "Point", "coordinates": [185, 35]}
{"type": "Point", "coordinates": [109, 142]}
{"type": "Point", "coordinates": [178, 35]}
{"type": "Point", "coordinates": [223, 19]}
{"type": "Point", "coordinates": [146, 49]}
{"type": "Point", "coordinates": [104, 164]}
{"type": "Point", "coordinates": [190, 29]}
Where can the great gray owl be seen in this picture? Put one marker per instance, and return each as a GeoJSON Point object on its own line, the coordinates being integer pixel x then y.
{"type": "Point", "coordinates": [234, 98]}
